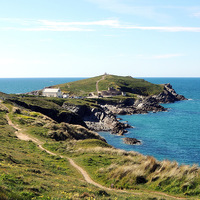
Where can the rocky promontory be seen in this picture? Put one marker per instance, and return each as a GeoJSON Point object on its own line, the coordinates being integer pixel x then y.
{"type": "Point", "coordinates": [103, 116]}
{"type": "Point", "coordinates": [95, 102]}
{"type": "Point", "coordinates": [145, 104]}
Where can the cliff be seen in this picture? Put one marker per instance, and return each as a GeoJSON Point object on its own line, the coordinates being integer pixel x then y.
{"type": "Point", "coordinates": [99, 114]}
{"type": "Point", "coordinates": [103, 116]}
{"type": "Point", "coordinates": [98, 119]}
{"type": "Point", "coordinates": [145, 104]}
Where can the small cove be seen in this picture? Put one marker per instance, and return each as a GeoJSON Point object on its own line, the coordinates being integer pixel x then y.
{"type": "Point", "coordinates": [172, 135]}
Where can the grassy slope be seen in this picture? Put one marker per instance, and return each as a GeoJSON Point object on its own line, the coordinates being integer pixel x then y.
{"type": "Point", "coordinates": [27, 172]}
{"type": "Point", "coordinates": [131, 170]}
{"type": "Point", "coordinates": [123, 83]}
{"type": "Point", "coordinates": [81, 87]}
{"type": "Point", "coordinates": [129, 84]}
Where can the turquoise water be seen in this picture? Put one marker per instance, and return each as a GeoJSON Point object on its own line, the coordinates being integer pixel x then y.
{"type": "Point", "coordinates": [172, 135]}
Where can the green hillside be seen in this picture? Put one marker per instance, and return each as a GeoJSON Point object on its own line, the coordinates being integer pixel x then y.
{"type": "Point", "coordinates": [28, 172]}
{"type": "Point", "coordinates": [120, 83]}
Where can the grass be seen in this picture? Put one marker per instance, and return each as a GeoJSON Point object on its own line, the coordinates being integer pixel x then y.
{"type": "Point", "coordinates": [26, 172]}
{"type": "Point", "coordinates": [132, 85]}
{"type": "Point", "coordinates": [40, 102]}
{"type": "Point", "coordinates": [134, 171]}
{"type": "Point", "coordinates": [122, 83]}
{"type": "Point", "coordinates": [42, 127]}
{"type": "Point", "coordinates": [81, 87]}
{"type": "Point", "coordinates": [91, 143]}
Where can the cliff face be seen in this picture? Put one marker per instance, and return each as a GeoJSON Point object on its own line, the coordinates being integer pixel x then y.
{"type": "Point", "coordinates": [168, 95]}
{"type": "Point", "coordinates": [100, 116]}
{"type": "Point", "coordinates": [103, 117]}
{"type": "Point", "coordinates": [98, 119]}
{"type": "Point", "coordinates": [54, 113]}
{"type": "Point", "coordinates": [145, 104]}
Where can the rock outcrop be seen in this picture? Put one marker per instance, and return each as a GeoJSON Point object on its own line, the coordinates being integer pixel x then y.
{"type": "Point", "coordinates": [169, 95]}
{"type": "Point", "coordinates": [98, 118]}
{"type": "Point", "coordinates": [145, 104]}
{"type": "Point", "coordinates": [103, 116]}
{"type": "Point", "coordinates": [131, 141]}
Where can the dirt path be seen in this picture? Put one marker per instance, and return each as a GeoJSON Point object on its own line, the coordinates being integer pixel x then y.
{"type": "Point", "coordinates": [87, 178]}
{"type": "Point", "coordinates": [21, 135]}
{"type": "Point", "coordinates": [97, 83]}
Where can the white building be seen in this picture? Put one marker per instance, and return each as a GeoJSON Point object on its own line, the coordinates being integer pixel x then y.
{"type": "Point", "coordinates": [52, 92]}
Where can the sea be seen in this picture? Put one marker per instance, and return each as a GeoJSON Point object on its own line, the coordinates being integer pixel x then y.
{"type": "Point", "coordinates": [173, 135]}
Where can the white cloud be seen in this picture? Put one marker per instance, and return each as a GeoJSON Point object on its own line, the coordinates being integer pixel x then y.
{"type": "Point", "coordinates": [47, 25]}
{"type": "Point", "coordinates": [159, 56]}
{"type": "Point", "coordinates": [163, 28]}
{"type": "Point", "coordinates": [92, 23]}
{"type": "Point", "coordinates": [59, 29]}
{"type": "Point", "coordinates": [165, 56]}
{"type": "Point", "coordinates": [61, 26]}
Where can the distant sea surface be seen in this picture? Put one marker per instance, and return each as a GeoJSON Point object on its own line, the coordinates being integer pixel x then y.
{"type": "Point", "coordinates": [23, 85]}
{"type": "Point", "coordinates": [172, 135]}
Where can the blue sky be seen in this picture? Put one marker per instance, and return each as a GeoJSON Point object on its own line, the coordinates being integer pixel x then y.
{"type": "Point", "coordinates": [85, 38]}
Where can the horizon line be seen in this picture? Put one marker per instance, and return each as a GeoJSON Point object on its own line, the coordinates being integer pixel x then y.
{"type": "Point", "coordinates": [108, 74]}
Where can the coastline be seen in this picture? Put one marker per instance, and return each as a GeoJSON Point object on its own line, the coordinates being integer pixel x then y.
{"type": "Point", "coordinates": [148, 163]}
{"type": "Point", "coordinates": [95, 112]}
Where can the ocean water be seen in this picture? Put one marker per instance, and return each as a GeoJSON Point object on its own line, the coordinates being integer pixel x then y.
{"type": "Point", "coordinates": [172, 135]}
{"type": "Point", "coordinates": [23, 85]}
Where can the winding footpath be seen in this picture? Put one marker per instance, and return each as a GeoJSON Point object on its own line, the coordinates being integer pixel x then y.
{"type": "Point", "coordinates": [97, 83]}
{"type": "Point", "coordinates": [19, 133]}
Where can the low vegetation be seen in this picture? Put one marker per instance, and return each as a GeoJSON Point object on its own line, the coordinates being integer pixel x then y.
{"type": "Point", "coordinates": [27, 172]}
{"type": "Point", "coordinates": [130, 170]}
{"type": "Point", "coordinates": [81, 87]}
{"type": "Point", "coordinates": [121, 83]}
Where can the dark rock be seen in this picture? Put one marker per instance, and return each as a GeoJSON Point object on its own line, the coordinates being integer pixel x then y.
{"type": "Point", "coordinates": [99, 118]}
{"type": "Point", "coordinates": [103, 117]}
{"type": "Point", "coordinates": [131, 141]}
{"type": "Point", "coordinates": [169, 95]}
{"type": "Point", "coordinates": [53, 113]}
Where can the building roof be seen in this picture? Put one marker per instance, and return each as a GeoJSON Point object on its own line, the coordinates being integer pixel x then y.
{"type": "Point", "coordinates": [53, 90]}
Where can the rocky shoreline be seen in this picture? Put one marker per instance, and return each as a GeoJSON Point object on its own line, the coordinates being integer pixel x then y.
{"type": "Point", "coordinates": [103, 115]}
{"type": "Point", "coordinates": [104, 118]}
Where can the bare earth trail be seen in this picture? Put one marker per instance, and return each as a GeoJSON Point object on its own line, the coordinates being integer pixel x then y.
{"type": "Point", "coordinates": [87, 178]}
{"type": "Point", "coordinates": [97, 83]}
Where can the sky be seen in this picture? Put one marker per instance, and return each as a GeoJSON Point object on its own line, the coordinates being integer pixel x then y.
{"type": "Point", "coordinates": [86, 38]}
